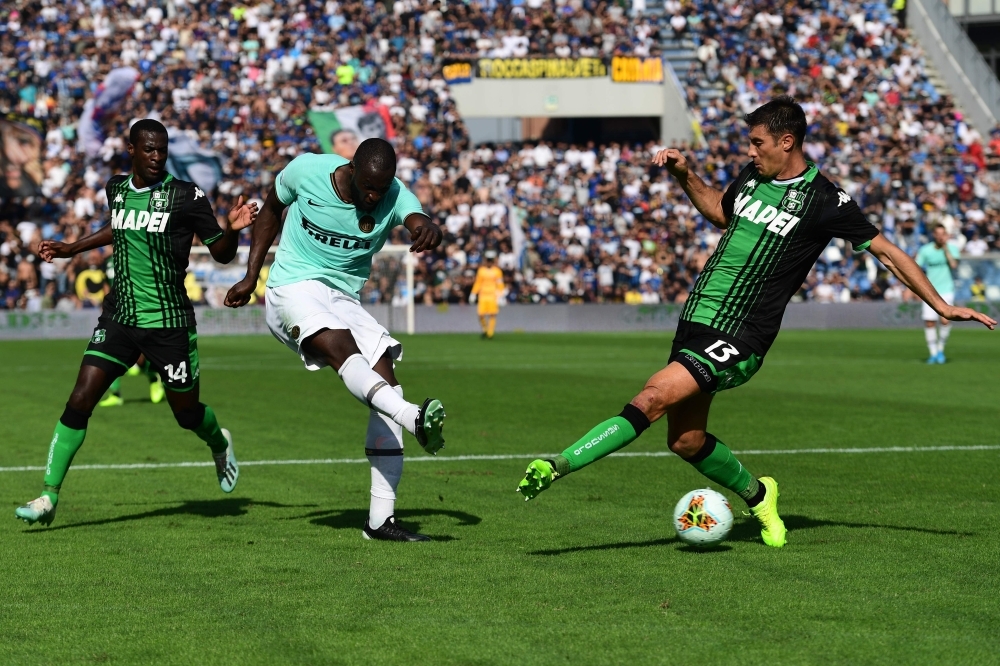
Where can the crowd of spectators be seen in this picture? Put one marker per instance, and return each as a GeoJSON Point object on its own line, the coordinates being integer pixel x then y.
{"type": "Point", "coordinates": [575, 223]}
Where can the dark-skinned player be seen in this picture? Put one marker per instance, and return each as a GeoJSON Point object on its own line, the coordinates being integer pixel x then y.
{"type": "Point", "coordinates": [339, 214]}
{"type": "Point", "coordinates": [154, 217]}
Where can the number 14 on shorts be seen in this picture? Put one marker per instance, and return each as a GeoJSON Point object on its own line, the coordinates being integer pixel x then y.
{"type": "Point", "coordinates": [179, 375]}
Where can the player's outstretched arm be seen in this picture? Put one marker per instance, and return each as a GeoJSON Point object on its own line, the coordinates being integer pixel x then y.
{"type": "Point", "coordinates": [903, 267]}
{"type": "Point", "coordinates": [424, 234]}
{"type": "Point", "coordinates": [49, 249]}
{"type": "Point", "coordinates": [706, 199]}
{"type": "Point", "coordinates": [240, 217]}
{"type": "Point", "coordinates": [265, 230]}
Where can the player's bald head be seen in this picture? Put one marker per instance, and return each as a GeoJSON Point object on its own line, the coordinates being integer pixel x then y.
{"type": "Point", "coordinates": [375, 157]}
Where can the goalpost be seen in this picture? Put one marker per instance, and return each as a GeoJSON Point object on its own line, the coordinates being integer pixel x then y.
{"type": "Point", "coordinates": [389, 287]}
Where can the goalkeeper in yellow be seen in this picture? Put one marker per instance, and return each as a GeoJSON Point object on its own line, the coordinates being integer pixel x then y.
{"type": "Point", "coordinates": [487, 290]}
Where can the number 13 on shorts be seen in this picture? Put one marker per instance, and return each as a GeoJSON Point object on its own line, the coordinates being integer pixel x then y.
{"type": "Point", "coordinates": [721, 351]}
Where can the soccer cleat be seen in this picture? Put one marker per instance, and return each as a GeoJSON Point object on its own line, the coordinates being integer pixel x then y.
{"type": "Point", "coordinates": [133, 371]}
{"type": "Point", "coordinates": [430, 424]}
{"type": "Point", "coordinates": [939, 359]}
{"type": "Point", "coordinates": [772, 528]}
{"type": "Point", "coordinates": [539, 476]}
{"type": "Point", "coordinates": [932, 360]}
{"type": "Point", "coordinates": [156, 391]}
{"type": "Point", "coordinates": [226, 467]}
{"type": "Point", "coordinates": [111, 401]}
{"type": "Point", "coordinates": [392, 532]}
{"type": "Point", "coordinates": [39, 510]}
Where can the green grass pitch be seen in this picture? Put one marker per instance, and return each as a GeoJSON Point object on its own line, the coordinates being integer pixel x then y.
{"type": "Point", "coordinates": [891, 557]}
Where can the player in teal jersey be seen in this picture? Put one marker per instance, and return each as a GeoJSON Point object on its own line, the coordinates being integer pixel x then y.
{"type": "Point", "coordinates": [339, 214]}
{"type": "Point", "coordinates": [778, 216]}
{"type": "Point", "coordinates": [939, 259]}
{"type": "Point", "coordinates": [153, 220]}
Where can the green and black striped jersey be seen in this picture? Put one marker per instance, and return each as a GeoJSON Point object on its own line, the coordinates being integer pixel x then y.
{"type": "Point", "coordinates": [152, 228]}
{"type": "Point", "coordinates": [776, 231]}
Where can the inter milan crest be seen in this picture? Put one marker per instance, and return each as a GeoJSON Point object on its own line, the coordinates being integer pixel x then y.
{"type": "Point", "coordinates": [366, 224]}
{"type": "Point", "coordinates": [295, 332]}
{"type": "Point", "coordinates": [793, 201]}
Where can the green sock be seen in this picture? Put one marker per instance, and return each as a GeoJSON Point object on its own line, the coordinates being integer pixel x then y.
{"type": "Point", "coordinates": [718, 463]}
{"type": "Point", "coordinates": [210, 433]}
{"type": "Point", "coordinates": [605, 438]}
{"type": "Point", "coordinates": [116, 387]}
{"type": "Point", "coordinates": [65, 443]}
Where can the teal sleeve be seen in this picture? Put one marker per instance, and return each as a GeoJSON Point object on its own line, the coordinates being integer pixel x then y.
{"type": "Point", "coordinates": [406, 204]}
{"type": "Point", "coordinates": [921, 258]}
{"type": "Point", "coordinates": [289, 179]}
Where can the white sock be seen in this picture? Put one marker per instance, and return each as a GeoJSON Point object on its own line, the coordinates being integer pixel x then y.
{"type": "Point", "coordinates": [943, 332]}
{"type": "Point", "coordinates": [931, 335]}
{"type": "Point", "coordinates": [368, 387]}
{"type": "Point", "coordinates": [384, 448]}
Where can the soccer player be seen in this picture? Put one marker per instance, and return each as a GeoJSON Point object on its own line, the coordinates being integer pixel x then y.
{"type": "Point", "coordinates": [939, 259]}
{"type": "Point", "coordinates": [488, 288]}
{"type": "Point", "coordinates": [778, 216]}
{"type": "Point", "coordinates": [153, 219]}
{"type": "Point", "coordinates": [113, 398]}
{"type": "Point", "coordinates": [339, 214]}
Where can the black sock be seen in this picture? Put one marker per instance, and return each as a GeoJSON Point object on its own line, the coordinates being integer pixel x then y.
{"type": "Point", "coordinates": [758, 497]}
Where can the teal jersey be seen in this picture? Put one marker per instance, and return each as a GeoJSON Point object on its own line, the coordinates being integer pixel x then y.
{"type": "Point", "coordinates": [326, 239]}
{"type": "Point", "coordinates": [935, 264]}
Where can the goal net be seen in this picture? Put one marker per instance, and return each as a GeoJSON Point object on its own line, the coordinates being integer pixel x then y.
{"type": "Point", "coordinates": [388, 294]}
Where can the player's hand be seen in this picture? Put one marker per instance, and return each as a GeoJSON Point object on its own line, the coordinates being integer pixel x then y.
{"type": "Point", "coordinates": [673, 160]}
{"type": "Point", "coordinates": [426, 237]}
{"type": "Point", "coordinates": [242, 215]}
{"type": "Point", "coordinates": [472, 299]}
{"type": "Point", "coordinates": [240, 293]}
{"type": "Point", "coordinates": [49, 250]}
{"type": "Point", "coordinates": [955, 313]}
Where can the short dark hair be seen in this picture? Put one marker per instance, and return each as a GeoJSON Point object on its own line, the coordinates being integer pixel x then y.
{"type": "Point", "coordinates": [782, 115]}
{"type": "Point", "coordinates": [145, 125]}
{"type": "Point", "coordinates": [375, 156]}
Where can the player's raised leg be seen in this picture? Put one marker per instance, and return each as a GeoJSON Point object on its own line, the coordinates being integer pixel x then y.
{"type": "Point", "coordinates": [338, 349]}
{"type": "Point", "coordinates": [67, 438]}
{"type": "Point", "coordinates": [384, 449]}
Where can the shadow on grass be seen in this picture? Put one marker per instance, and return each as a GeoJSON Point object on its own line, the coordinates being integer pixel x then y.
{"type": "Point", "coordinates": [229, 507]}
{"type": "Point", "coordinates": [748, 530]}
{"type": "Point", "coordinates": [354, 519]}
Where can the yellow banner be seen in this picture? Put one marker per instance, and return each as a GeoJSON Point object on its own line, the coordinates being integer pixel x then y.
{"type": "Point", "coordinates": [636, 70]}
{"type": "Point", "coordinates": [541, 68]}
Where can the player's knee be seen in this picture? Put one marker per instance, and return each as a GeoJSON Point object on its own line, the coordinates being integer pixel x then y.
{"type": "Point", "coordinates": [652, 401]}
{"type": "Point", "coordinates": [687, 444]}
{"type": "Point", "coordinates": [190, 417]}
{"type": "Point", "coordinates": [74, 418]}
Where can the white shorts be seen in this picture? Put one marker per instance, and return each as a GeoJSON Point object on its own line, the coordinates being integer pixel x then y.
{"type": "Point", "coordinates": [299, 310]}
{"type": "Point", "coordinates": [927, 312]}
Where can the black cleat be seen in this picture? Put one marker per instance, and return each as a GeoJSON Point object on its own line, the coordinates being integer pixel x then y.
{"type": "Point", "coordinates": [391, 532]}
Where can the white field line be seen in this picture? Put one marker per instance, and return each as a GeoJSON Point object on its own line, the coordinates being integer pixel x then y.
{"type": "Point", "coordinates": [516, 456]}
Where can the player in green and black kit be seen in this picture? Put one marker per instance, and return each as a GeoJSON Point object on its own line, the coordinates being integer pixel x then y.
{"type": "Point", "coordinates": [153, 220]}
{"type": "Point", "coordinates": [778, 216]}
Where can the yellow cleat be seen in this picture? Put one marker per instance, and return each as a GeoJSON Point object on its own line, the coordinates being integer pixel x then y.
{"type": "Point", "coordinates": [133, 371]}
{"type": "Point", "coordinates": [156, 391]}
{"type": "Point", "coordinates": [772, 528]}
{"type": "Point", "coordinates": [111, 401]}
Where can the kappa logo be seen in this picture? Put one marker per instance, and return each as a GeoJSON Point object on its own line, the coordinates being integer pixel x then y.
{"type": "Point", "coordinates": [198, 193]}
{"type": "Point", "coordinates": [99, 336]}
{"type": "Point", "coordinates": [750, 184]}
{"type": "Point", "coordinates": [844, 197]}
{"type": "Point", "coordinates": [366, 224]}
{"type": "Point", "coordinates": [119, 198]}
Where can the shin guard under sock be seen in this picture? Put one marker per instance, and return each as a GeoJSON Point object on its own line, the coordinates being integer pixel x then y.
{"type": "Point", "coordinates": [372, 390]}
{"type": "Point", "coordinates": [718, 463]}
{"type": "Point", "coordinates": [384, 449]}
{"type": "Point", "coordinates": [70, 431]}
{"type": "Point", "coordinates": [605, 438]}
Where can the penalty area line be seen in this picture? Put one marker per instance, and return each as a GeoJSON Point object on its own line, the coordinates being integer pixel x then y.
{"type": "Point", "coordinates": [518, 456]}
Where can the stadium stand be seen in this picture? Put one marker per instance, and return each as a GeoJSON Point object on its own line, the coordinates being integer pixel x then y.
{"type": "Point", "coordinates": [593, 222]}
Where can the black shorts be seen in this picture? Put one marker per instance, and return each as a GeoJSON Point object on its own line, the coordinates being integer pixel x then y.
{"type": "Point", "coordinates": [716, 361]}
{"type": "Point", "coordinates": [173, 352]}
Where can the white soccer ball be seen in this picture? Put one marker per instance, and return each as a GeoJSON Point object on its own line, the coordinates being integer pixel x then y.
{"type": "Point", "coordinates": [703, 518]}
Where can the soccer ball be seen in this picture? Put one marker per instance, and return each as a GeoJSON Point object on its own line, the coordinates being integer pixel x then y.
{"type": "Point", "coordinates": [703, 518]}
